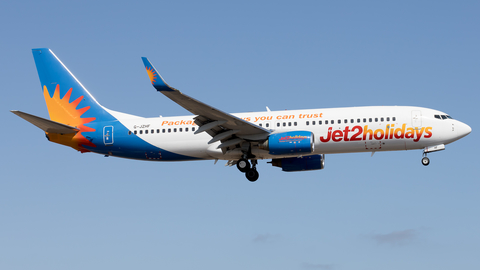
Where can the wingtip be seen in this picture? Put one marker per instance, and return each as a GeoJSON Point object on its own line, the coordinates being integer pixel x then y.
{"type": "Point", "coordinates": [157, 81]}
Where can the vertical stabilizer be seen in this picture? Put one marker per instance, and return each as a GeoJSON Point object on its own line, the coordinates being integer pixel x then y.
{"type": "Point", "coordinates": [67, 99]}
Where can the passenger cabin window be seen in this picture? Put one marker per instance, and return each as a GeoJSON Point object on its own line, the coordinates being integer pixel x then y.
{"type": "Point", "coordinates": [186, 129]}
{"type": "Point", "coordinates": [352, 121]}
{"type": "Point", "coordinates": [370, 120]}
{"type": "Point", "coordinates": [141, 131]}
{"type": "Point", "coordinates": [169, 130]}
{"type": "Point", "coordinates": [193, 129]}
{"type": "Point", "coordinates": [146, 131]}
{"type": "Point", "coordinates": [163, 130]}
{"type": "Point", "coordinates": [358, 120]}
{"type": "Point", "coordinates": [278, 124]}
{"type": "Point", "coordinates": [339, 121]}
{"type": "Point", "coordinates": [376, 119]}
{"type": "Point", "coordinates": [319, 122]}
{"type": "Point", "coordinates": [267, 124]}
{"type": "Point", "coordinates": [180, 129]}
{"type": "Point", "coordinates": [394, 119]}
{"type": "Point", "coordinates": [308, 123]}
{"type": "Point", "coordinates": [129, 132]}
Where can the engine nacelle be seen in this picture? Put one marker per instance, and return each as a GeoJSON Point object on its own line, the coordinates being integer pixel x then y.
{"type": "Point", "coordinates": [295, 164]}
{"type": "Point", "coordinates": [289, 143]}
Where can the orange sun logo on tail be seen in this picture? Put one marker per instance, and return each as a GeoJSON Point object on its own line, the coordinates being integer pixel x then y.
{"type": "Point", "coordinates": [152, 74]}
{"type": "Point", "coordinates": [63, 111]}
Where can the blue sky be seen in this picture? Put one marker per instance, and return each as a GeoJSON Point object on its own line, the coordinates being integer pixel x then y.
{"type": "Point", "coordinates": [61, 209]}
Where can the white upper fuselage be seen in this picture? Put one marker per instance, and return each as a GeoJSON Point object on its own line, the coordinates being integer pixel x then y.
{"type": "Point", "coordinates": [336, 130]}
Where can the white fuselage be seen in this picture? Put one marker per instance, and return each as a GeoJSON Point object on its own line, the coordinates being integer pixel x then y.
{"type": "Point", "coordinates": [336, 130]}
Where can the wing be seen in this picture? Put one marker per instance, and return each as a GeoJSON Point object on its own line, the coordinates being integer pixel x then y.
{"type": "Point", "coordinates": [222, 126]}
{"type": "Point", "coordinates": [47, 125]}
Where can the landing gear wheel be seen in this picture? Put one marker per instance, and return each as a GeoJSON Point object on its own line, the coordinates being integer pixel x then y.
{"type": "Point", "coordinates": [252, 175]}
{"type": "Point", "coordinates": [243, 165]}
{"type": "Point", "coordinates": [425, 161]}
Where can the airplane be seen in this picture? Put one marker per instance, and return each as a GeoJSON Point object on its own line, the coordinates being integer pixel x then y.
{"type": "Point", "coordinates": [294, 140]}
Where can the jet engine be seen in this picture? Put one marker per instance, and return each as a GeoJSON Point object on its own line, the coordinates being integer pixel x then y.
{"type": "Point", "coordinates": [292, 142]}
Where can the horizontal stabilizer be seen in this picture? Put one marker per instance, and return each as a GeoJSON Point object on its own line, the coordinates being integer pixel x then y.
{"type": "Point", "coordinates": [47, 125]}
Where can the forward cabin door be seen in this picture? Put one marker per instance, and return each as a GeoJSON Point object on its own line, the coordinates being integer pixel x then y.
{"type": "Point", "coordinates": [416, 118]}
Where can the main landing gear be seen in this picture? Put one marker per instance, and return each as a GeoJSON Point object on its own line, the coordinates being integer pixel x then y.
{"type": "Point", "coordinates": [250, 170]}
{"type": "Point", "coordinates": [243, 165]}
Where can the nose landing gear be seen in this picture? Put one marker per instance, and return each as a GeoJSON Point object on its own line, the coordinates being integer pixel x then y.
{"type": "Point", "coordinates": [430, 149]}
{"type": "Point", "coordinates": [425, 159]}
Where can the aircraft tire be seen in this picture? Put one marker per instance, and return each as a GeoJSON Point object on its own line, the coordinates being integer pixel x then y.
{"type": "Point", "coordinates": [243, 165]}
{"type": "Point", "coordinates": [252, 175]}
{"type": "Point", "coordinates": [425, 161]}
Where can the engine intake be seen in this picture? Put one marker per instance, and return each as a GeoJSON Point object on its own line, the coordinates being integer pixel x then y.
{"type": "Point", "coordinates": [289, 143]}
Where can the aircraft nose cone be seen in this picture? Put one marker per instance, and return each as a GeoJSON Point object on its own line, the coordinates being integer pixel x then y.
{"type": "Point", "coordinates": [463, 130]}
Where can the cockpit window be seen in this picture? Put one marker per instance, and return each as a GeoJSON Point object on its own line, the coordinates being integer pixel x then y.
{"type": "Point", "coordinates": [443, 116]}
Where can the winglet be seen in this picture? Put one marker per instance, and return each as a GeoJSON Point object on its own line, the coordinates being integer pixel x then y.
{"type": "Point", "coordinates": [157, 80]}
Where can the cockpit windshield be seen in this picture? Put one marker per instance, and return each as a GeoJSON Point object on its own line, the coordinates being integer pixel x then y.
{"type": "Point", "coordinates": [443, 116]}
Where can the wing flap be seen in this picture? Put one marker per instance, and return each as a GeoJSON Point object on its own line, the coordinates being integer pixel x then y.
{"type": "Point", "coordinates": [209, 126]}
{"type": "Point", "coordinates": [223, 135]}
